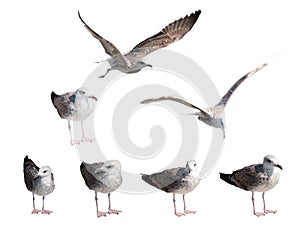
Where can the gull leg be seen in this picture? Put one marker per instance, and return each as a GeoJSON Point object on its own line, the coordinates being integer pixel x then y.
{"type": "Point", "coordinates": [112, 211]}
{"type": "Point", "coordinates": [178, 214]}
{"type": "Point", "coordinates": [258, 214]}
{"type": "Point", "coordinates": [34, 211]}
{"type": "Point", "coordinates": [85, 139]}
{"type": "Point", "coordinates": [108, 70]}
{"type": "Point", "coordinates": [185, 210]}
{"type": "Point", "coordinates": [266, 210]}
{"type": "Point", "coordinates": [44, 211]}
{"type": "Point", "coordinates": [72, 141]}
{"type": "Point", "coordinates": [99, 214]}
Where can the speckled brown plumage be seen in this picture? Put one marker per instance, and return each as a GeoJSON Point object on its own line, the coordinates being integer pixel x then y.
{"type": "Point", "coordinates": [181, 180]}
{"type": "Point", "coordinates": [256, 178]}
{"type": "Point", "coordinates": [39, 181]}
{"type": "Point", "coordinates": [103, 177]}
{"type": "Point", "coordinates": [131, 62]}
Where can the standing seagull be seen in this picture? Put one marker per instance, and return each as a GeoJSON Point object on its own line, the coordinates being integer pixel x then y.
{"type": "Point", "coordinates": [256, 178]}
{"type": "Point", "coordinates": [39, 181]}
{"type": "Point", "coordinates": [104, 178]}
{"type": "Point", "coordinates": [213, 116]}
{"type": "Point", "coordinates": [75, 106]}
{"type": "Point", "coordinates": [180, 180]}
{"type": "Point", "coordinates": [131, 62]}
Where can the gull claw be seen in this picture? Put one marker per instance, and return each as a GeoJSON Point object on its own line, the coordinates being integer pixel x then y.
{"type": "Point", "coordinates": [113, 211]}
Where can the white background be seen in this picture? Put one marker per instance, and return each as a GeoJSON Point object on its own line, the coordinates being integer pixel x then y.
{"type": "Point", "coordinates": [45, 47]}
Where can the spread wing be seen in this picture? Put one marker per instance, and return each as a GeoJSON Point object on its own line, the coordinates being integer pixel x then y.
{"type": "Point", "coordinates": [109, 48]}
{"type": "Point", "coordinates": [181, 101]}
{"type": "Point", "coordinates": [171, 33]}
{"type": "Point", "coordinates": [227, 96]}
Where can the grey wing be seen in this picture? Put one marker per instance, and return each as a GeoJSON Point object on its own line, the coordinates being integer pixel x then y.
{"type": "Point", "coordinates": [87, 173]}
{"type": "Point", "coordinates": [248, 177]}
{"type": "Point", "coordinates": [93, 168]}
{"type": "Point", "coordinates": [30, 172]}
{"type": "Point", "coordinates": [171, 33]}
{"type": "Point", "coordinates": [227, 96]}
{"type": "Point", "coordinates": [181, 101]}
{"type": "Point", "coordinates": [109, 48]}
{"type": "Point", "coordinates": [165, 178]}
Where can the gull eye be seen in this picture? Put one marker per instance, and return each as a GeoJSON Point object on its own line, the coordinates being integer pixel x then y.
{"type": "Point", "coordinates": [45, 171]}
{"type": "Point", "coordinates": [195, 165]}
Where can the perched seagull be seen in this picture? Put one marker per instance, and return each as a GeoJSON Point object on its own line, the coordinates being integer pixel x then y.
{"type": "Point", "coordinates": [75, 106]}
{"type": "Point", "coordinates": [180, 180]}
{"type": "Point", "coordinates": [132, 62]}
{"type": "Point", "coordinates": [256, 178]}
{"type": "Point", "coordinates": [39, 181]}
{"type": "Point", "coordinates": [213, 116]}
{"type": "Point", "coordinates": [104, 178]}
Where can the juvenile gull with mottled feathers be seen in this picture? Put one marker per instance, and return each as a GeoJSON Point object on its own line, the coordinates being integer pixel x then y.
{"type": "Point", "coordinates": [75, 106]}
{"type": "Point", "coordinates": [181, 180]}
{"type": "Point", "coordinates": [256, 178]}
{"type": "Point", "coordinates": [39, 181]}
{"type": "Point", "coordinates": [103, 177]}
{"type": "Point", "coordinates": [213, 116]}
{"type": "Point", "coordinates": [132, 62]}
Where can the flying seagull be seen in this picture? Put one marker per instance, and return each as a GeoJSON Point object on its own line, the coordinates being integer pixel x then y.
{"type": "Point", "coordinates": [180, 180]}
{"type": "Point", "coordinates": [104, 178]}
{"type": "Point", "coordinates": [213, 116]}
{"type": "Point", "coordinates": [132, 62]}
{"type": "Point", "coordinates": [256, 178]}
{"type": "Point", "coordinates": [75, 106]}
{"type": "Point", "coordinates": [39, 181]}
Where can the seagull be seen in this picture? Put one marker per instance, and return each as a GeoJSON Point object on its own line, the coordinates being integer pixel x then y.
{"type": "Point", "coordinates": [39, 181]}
{"type": "Point", "coordinates": [103, 177]}
{"type": "Point", "coordinates": [213, 116]}
{"type": "Point", "coordinates": [132, 62]}
{"type": "Point", "coordinates": [256, 178]}
{"type": "Point", "coordinates": [75, 106]}
{"type": "Point", "coordinates": [180, 180]}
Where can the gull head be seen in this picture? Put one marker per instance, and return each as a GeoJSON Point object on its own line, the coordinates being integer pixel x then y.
{"type": "Point", "coordinates": [44, 171]}
{"type": "Point", "coordinates": [84, 93]}
{"type": "Point", "coordinates": [270, 162]}
{"type": "Point", "coordinates": [141, 64]}
{"type": "Point", "coordinates": [191, 166]}
{"type": "Point", "coordinates": [112, 165]}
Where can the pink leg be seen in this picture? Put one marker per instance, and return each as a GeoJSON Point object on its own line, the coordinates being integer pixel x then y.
{"type": "Point", "coordinates": [178, 214]}
{"type": "Point", "coordinates": [112, 211]}
{"type": "Point", "coordinates": [99, 213]}
{"type": "Point", "coordinates": [44, 211]}
{"type": "Point", "coordinates": [72, 141]}
{"type": "Point", "coordinates": [75, 141]}
{"type": "Point", "coordinates": [34, 211]}
{"type": "Point", "coordinates": [185, 210]}
{"type": "Point", "coordinates": [85, 139]}
{"type": "Point", "coordinates": [266, 210]}
{"type": "Point", "coordinates": [258, 214]}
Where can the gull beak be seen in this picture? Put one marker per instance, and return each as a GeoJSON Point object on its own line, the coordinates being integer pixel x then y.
{"type": "Point", "coordinates": [93, 97]}
{"type": "Point", "coordinates": [278, 166]}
